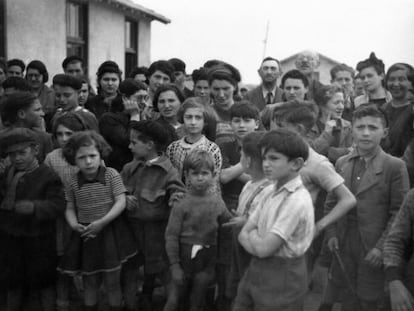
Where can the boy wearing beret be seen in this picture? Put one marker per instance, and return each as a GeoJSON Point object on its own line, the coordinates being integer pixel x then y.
{"type": "Point", "coordinates": [31, 197]}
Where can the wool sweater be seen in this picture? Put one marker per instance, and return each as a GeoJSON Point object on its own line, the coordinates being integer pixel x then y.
{"type": "Point", "coordinates": [194, 220]}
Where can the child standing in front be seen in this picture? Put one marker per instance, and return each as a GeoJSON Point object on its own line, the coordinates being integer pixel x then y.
{"type": "Point", "coordinates": [100, 242]}
{"type": "Point", "coordinates": [191, 234]}
{"type": "Point", "coordinates": [193, 115]}
{"type": "Point", "coordinates": [153, 185]}
{"type": "Point", "coordinates": [279, 231]}
{"type": "Point", "coordinates": [31, 197]}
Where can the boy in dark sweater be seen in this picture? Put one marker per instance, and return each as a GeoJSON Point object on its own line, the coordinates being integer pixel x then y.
{"type": "Point", "coordinates": [31, 197]}
{"type": "Point", "coordinates": [191, 235]}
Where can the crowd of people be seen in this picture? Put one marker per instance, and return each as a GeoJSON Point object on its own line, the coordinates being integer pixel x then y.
{"type": "Point", "coordinates": [228, 200]}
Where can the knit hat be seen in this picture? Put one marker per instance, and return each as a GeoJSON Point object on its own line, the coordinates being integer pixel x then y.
{"type": "Point", "coordinates": [14, 139]}
{"type": "Point", "coordinates": [67, 80]}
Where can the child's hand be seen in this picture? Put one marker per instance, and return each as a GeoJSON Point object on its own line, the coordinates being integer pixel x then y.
{"type": "Point", "coordinates": [238, 220]}
{"type": "Point", "coordinates": [78, 228]}
{"type": "Point", "coordinates": [401, 298]}
{"type": "Point", "coordinates": [177, 274]}
{"type": "Point", "coordinates": [92, 229]}
{"type": "Point", "coordinates": [175, 197]}
{"type": "Point", "coordinates": [24, 207]}
{"type": "Point", "coordinates": [374, 258]}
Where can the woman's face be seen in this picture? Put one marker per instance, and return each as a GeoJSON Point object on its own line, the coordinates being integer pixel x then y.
{"type": "Point", "coordinates": [335, 106]}
{"type": "Point", "coordinates": [398, 84]}
{"type": "Point", "coordinates": [34, 78]}
{"type": "Point", "coordinates": [294, 89]}
{"type": "Point", "coordinates": [109, 83]}
{"type": "Point", "coordinates": [202, 90]}
{"type": "Point", "coordinates": [222, 92]}
{"type": "Point", "coordinates": [63, 134]}
{"type": "Point", "coordinates": [168, 104]}
{"type": "Point", "coordinates": [372, 80]}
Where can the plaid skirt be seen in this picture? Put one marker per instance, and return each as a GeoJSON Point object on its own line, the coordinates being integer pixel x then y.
{"type": "Point", "coordinates": [112, 247]}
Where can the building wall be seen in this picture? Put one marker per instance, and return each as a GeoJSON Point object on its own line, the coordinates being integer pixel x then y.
{"type": "Point", "coordinates": [37, 30]}
{"type": "Point", "coordinates": [144, 42]}
{"type": "Point", "coordinates": [106, 37]}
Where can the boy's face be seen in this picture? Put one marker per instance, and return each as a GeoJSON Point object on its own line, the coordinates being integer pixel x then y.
{"type": "Point", "coordinates": [344, 79]}
{"type": "Point", "coordinates": [88, 159]}
{"type": "Point", "coordinates": [62, 135]}
{"type": "Point", "coordinates": [277, 166]}
{"type": "Point", "coordinates": [83, 94]}
{"type": "Point", "coordinates": [21, 157]}
{"type": "Point", "coordinates": [200, 180]}
{"type": "Point", "coordinates": [74, 69]}
{"type": "Point", "coordinates": [33, 115]}
{"type": "Point", "coordinates": [14, 71]}
{"type": "Point", "coordinates": [138, 148]}
{"type": "Point", "coordinates": [368, 132]}
{"type": "Point", "coordinates": [243, 126]}
{"type": "Point", "coordinates": [193, 120]}
{"type": "Point", "coordinates": [66, 97]}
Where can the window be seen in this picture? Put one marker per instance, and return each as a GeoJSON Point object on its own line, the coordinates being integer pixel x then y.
{"type": "Point", "coordinates": [131, 45]}
{"type": "Point", "coordinates": [77, 29]}
{"type": "Point", "coordinates": [2, 28]}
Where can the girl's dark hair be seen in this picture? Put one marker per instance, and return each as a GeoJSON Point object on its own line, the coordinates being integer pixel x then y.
{"type": "Point", "coordinates": [199, 74]}
{"type": "Point", "coordinates": [197, 159]}
{"type": "Point", "coordinates": [84, 139]}
{"type": "Point", "coordinates": [244, 109]}
{"type": "Point", "coordinates": [226, 72]}
{"type": "Point", "coordinates": [108, 66]}
{"type": "Point", "coordinates": [71, 120]}
{"type": "Point", "coordinates": [372, 61]}
{"type": "Point", "coordinates": [296, 75]}
{"type": "Point", "coordinates": [13, 103]}
{"type": "Point", "coordinates": [165, 88]}
{"type": "Point", "coordinates": [39, 66]}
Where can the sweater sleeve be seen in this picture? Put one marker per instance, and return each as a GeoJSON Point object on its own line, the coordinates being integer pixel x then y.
{"type": "Point", "coordinates": [54, 202]}
{"type": "Point", "coordinates": [172, 234]}
{"type": "Point", "coordinates": [398, 239]}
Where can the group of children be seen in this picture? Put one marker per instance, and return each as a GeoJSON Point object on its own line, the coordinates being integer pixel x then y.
{"type": "Point", "coordinates": [241, 217]}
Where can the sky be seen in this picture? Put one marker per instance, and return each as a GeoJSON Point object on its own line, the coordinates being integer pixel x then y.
{"type": "Point", "coordinates": [234, 31]}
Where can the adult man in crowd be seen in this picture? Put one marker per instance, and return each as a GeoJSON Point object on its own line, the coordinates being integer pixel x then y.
{"type": "Point", "coordinates": [307, 62]}
{"type": "Point", "coordinates": [267, 92]}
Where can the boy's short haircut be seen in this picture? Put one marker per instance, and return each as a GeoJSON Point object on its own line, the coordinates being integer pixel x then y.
{"type": "Point", "coordinates": [341, 67]}
{"type": "Point", "coordinates": [244, 109]}
{"type": "Point", "coordinates": [372, 61]}
{"type": "Point", "coordinates": [191, 102]}
{"type": "Point", "coordinates": [39, 66]}
{"type": "Point", "coordinates": [251, 147]}
{"type": "Point", "coordinates": [18, 83]}
{"type": "Point", "coordinates": [286, 142]}
{"type": "Point", "coordinates": [130, 86]}
{"type": "Point", "coordinates": [16, 62]}
{"type": "Point", "coordinates": [198, 159]}
{"type": "Point", "coordinates": [296, 75]}
{"type": "Point", "coordinates": [163, 66]}
{"type": "Point", "coordinates": [16, 137]}
{"type": "Point", "coordinates": [296, 112]}
{"type": "Point", "coordinates": [13, 103]}
{"type": "Point", "coordinates": [151, 131]}
{"type": "Point", "coordinates": [370, 110]}
{"type": "Point", "coordinates": [72, 59]}
{"type": "Point", "coordinates": [66, 80]}
{"type": "Point", "coordinates": [272, 59]}
{"type": "Point", "coordinates": [84, 139]}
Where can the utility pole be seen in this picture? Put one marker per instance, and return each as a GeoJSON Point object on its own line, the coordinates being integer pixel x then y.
{"type": "Point", "coordinates": [265, 39]}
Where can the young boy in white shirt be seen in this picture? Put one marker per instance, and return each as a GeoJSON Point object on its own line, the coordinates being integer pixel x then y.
{"type": "Point", "coordinates": [279, 231]}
